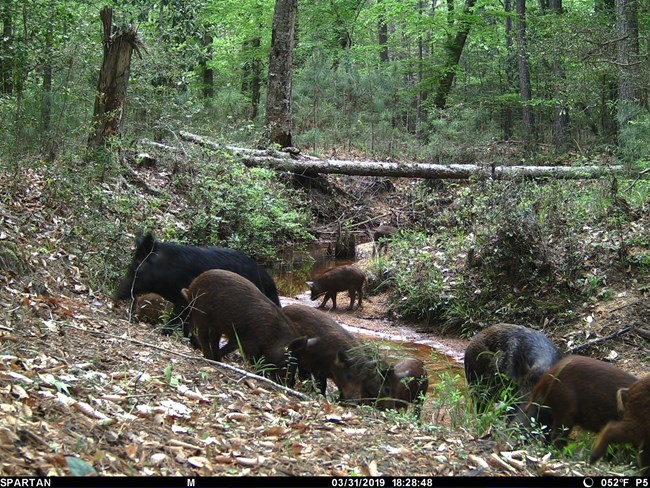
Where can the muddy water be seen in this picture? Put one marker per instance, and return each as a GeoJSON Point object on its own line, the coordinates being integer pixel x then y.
{"type": "Point", "coordinates": [395, 340]}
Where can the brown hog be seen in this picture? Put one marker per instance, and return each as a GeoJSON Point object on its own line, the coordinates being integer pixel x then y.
{"type": "Point", "coordinates": [408, 383]}
{"type": "Point", "coordinates": [361, 376]}
{"type": "Point", "coordinates": [320, 339]}
{"type": "Point", "coordinates": [635, 426]}
{"type": "Point", "coordinates": [382, 235]}
{"type": "Point", "coordinates": [225, 303]}
{"type": "Point", "coordinates": [151, 308]}
{"type": "Point", "coordinates": [342, 278]}
{"type": "Point", "coordinates": [580, 391]}
{"type": "Point", "coordinates": [507, 355]}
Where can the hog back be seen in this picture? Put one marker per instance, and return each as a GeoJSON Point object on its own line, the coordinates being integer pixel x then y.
{"type": "Point", "coordinates": [225, 303]}
{"type": "Point", "coordinates": [580, 391]}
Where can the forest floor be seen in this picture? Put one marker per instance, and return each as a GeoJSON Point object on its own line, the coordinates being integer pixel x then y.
{"type": "Point", "coordinates": [86, 390]}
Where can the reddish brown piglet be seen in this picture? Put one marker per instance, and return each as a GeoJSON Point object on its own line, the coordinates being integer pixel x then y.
{"type": "Point", "coordinates": [342, 278]}
{"type": "Point", "coordinates": [635, 426]}
{"type": "Point", "coordinates": [151, 308]}
{"type": "Point", "coordinates": [580, 391]}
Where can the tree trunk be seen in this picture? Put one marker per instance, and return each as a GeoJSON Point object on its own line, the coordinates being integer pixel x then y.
{"type": "Point", "coordinates": [524, 79]}
{"type": "Point", "coordinates": [108, 115]}
{"type": "Point", "coordinates": [46, 106]}
{"type": "Point", "coordinates": [629, 88]}
{"type": "Point", "coordinates": [561, 117]}
{"type": "Point", "coordinates": [6, 48]}
{"type": "Point", "coordinates": [206, 71]}
{"type": "Point", "coordinates": [382, 37]}
{"type": "Point", "coordinates": [454, 49]}
{"type": "Point", "coordinates": [507, 114]}
{"type": "Point", "coordinates": [278, 99]}
{"type": "Point", "coordinates": [281, 161]}
{"type": "Point", "coordinates": [252, 75]}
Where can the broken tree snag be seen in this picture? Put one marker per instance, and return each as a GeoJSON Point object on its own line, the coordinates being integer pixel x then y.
{"type": "Point", "coordinates": [303, 164]}
{"type": "Point", "coordinates": [346, 245]}
{"type": "Point", "coordinates": [108, 115]}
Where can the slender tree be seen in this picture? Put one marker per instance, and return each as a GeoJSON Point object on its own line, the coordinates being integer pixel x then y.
{"type": "Point", "coordinates": [561, 115]}
{"type": "Point", "coordinates": [382, 36]}
{"type": "Point", "coordinates": [252, 74]}
{"type": "Point", "coordinates": [6, 47]}
{"type": "Point", "coordinates": [507, 116]}
{"type": "Point", "coordinates": [525, 89]}
{"type": "Point", "coordinates": [206, 70]}
{"type": "Point", "coordinates": [278, 100]}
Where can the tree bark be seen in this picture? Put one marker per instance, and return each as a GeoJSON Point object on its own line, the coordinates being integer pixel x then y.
{"type": "Point", "coordinates": [206, 71]}
{"type": "Point", "coordinates": [252, 75]}
{"type": "Point", "coordinates": [278, 99]}
{"type": "Point", "coordinates": [382, 36]}
{"type": "Point", "coordinates": [525, 90]}
{"type": "Point", "coordinates": [454, 49]}
{"type": "Point", "coordinates": [46, 106]}
{"type": "Point", "coordinates": [108, 115]}
{"type": "Point", "coordinates": [561, 116]}
{"type": "Point", "coordinates": [6, 48]}
{"type": "Point", "coordinates": [305, 164]}
{"type": "Point", "coordinates": [507, 114]}
{"type": "Point", "coordinates": [629, 89]}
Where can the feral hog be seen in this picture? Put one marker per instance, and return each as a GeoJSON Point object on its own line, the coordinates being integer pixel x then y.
{"type": "Point", "coordinates": [319, 340]}
{"type": "Point", "coordinates": [151, 308]}
{"type": "Point", "coordinates": [507, 356]}
{"type": "Point", "coordinates": [382, 236]}
{"type": "Point", "coordinates": [225, 303]}
{"type": "Point", "coordinates": [580, 391]}
{"type": "Point", "coordinates": [635, 426]}
{"type": "Point", "coordinates": [165, 268]}
{"type": "Point", "coordinates": [360, 375]}
{"type": "Point", "coordinates": [408, 382]}
{"type": "Point", "coordinates": [342, 278]}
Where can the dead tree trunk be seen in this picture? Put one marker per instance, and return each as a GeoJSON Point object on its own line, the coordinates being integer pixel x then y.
{"type": "Point", "coordinates": [282, 161]}
{"type": "Point", "coordinates": [108, 115]}
{"type": "Point", "coordinates": [278, 98]}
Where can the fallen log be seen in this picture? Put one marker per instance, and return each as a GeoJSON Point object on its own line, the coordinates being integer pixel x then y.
{"type": "Point", "coordinates": [301, 164]}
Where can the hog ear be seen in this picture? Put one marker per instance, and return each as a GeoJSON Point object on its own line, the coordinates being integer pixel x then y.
{"type": "Point", "coordinates": [297, 344]}
{"type": "Point", "coordinates": [310, 284]}
{"type": "Point", "coordinates": [186, 294]}
{"type": "Point", "coordinates": [621, 400]}
{"type": "Point", "coordinates": [342, 358]}
{"type": "Point", "coordinates": [145, 244]}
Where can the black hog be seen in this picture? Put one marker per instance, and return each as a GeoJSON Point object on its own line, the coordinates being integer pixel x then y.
{"type": "Point", "coordinates": [635, 426]}
{"type": "Point", "coordinates": [408, 382]}
{"type": "Point", "coordinates": [320, 339]}
{"type": "Point", "coordinates": [342, 278]}
{"type": "Point", "coordinates": [507, 356]}
{"type": "Point", "coordinates": [165, 268]}
{"type": "Point", "coordinates": [151, 308]}
{"type": "Point", "coordinates": [579, 391]}
{"type": "Point", "coordinates": [225, 303]}
{"type": "Point", "coordinates": [382, 235]}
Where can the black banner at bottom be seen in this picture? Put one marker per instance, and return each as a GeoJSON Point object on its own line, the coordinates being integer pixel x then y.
{"type": "Point", "coordinates": [321, 482]}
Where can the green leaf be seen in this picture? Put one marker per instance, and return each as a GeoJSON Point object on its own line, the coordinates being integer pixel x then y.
{"type": "Point", "coordinates": [79, 467]}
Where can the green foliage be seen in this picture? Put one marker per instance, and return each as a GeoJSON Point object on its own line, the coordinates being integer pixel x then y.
{"type": "Point", "coordinates": [634, 141]}
{"type": "Point", "coordinates": [246, 209]}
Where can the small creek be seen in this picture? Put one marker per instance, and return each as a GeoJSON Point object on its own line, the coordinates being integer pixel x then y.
{"type": "Point", "coordinates": [395, 339]}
